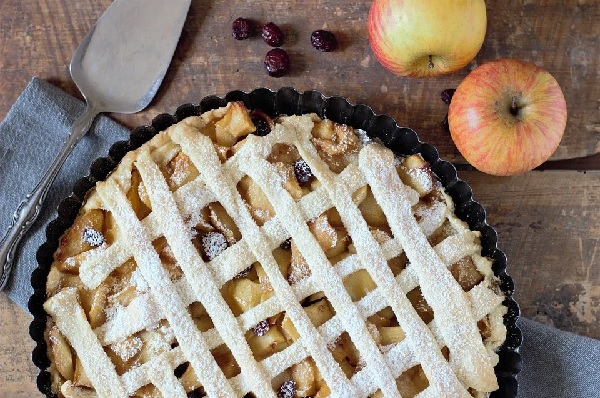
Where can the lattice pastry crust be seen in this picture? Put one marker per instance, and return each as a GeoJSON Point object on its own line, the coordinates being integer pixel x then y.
{"type": "Point", "coordinates": [221, 260]}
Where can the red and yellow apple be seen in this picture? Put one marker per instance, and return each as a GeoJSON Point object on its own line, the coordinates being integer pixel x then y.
{"type": "Point", "coordinates": [507, 117]}
{"type": "Point", "coordinates": [420, 38]}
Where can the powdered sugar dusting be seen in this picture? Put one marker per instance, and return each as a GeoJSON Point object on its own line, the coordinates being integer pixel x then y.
{"type": "Point", "coordinates": [300, 271]}
{"type": "Point", "coordinates": [373, 331]}
{"type": "Point", "coordinates": [321, 226]}
{"type": "Point", "coordinates": [92, 237]}
{"type": "Point", "coordinates": [157, 277]}
{"type": "Point", "coordinates": [226, 231]}
{"type": "Point", "coordinates": [437, 284]}
{"type": "Point", "coordinates": [180, 173]}
{"type": "Point", "coordinates": [214, 243]}
{"type": "Point", "coordinates": [70, 261]}
{"type": "Point", "coordinates": [302, 171]}
{"type": "Point", "coordinates": [73, 324]}
{"type": "Point", "coordinates": [431, 217]}
{"type": "Point", "coordinates": [113, 313]}
{"type": "Point", "coordinates": [167, 332]}
{"type": "Point", "coordinates": [321, 269]}
{"type": "Point", "coordinates": [422, 175]}
{"type": "Point", "coordinates": [363, 138]}
{"type": "Point", "coordinates": [333, 344]}
{"type": "Point", "coordinates": [201, 281]}
{"type": "Point", "coordinates": [386, 348]}
{"type": "Point", "coordinates": [137, 280]}
{"type": "Point", "coordinates": [127, 348]}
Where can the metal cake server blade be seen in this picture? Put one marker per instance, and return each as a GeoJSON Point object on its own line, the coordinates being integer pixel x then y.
{"type": "Point", "coordinates": [118, 67]}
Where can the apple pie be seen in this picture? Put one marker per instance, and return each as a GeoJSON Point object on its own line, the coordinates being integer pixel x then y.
{"type": "Point", "coordinates": [238, 255]}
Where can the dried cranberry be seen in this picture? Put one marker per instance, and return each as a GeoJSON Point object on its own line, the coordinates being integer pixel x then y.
{"type": "Point", "coordinates": [261, 328]}
{"type": "Point", "coordinates": [302, 171]}
{"type": "Point", "coordinates": [262, 126]}
{"type": "Point", "coordinates": [277, 62]}
{"type": "Point", "coordinates": [180, 370]}
{"type": "Point", "coordinates": [447, 95]}
{"type": "Point", "coordinates": [243, 273]}
{"type": "Point", "coordinates": [287, 389]}
{"type": "Point", "coordinates": [242, 29]}
{"type": "Point", "coordinates": [446, 125]}
{"type": "Point", "coordinates": [286, 244]}
{"type": "Point", "coordinates": [262, 122]}
{"type": "Point", "coordinates": [197, 393]}
{"type": "Point", "coordinates": [323, 40]}
{"type": "Point", "coordinates": [272, 35]}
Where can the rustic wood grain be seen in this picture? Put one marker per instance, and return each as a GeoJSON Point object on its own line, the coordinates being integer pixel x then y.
{"type": "Point", "coordinates": [17, 372]}
{"type": "Point", "coordinates": [38, 39]}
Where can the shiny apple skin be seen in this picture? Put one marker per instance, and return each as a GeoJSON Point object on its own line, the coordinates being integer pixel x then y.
{"type": "Point", "coordinates": [493, 139]}
{"type": "Point", "coordinates": [404, 33]}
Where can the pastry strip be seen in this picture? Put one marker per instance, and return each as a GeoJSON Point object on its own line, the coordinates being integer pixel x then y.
{"type": "Point", "coordinates": [449, 302]}
{"type": "Point", "coordinates": [160, 373]}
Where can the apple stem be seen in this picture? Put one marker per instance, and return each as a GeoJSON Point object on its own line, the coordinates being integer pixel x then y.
{"type": "Point", "coordinates": [430, 64]}
{"type": "Point", "coordinates": [514, 109]}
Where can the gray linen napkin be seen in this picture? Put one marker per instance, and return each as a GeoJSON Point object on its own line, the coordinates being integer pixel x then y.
{"type": "Point", "coordinates": [30, 137]}
{"type": "Point", "coordinates": [555, 364]}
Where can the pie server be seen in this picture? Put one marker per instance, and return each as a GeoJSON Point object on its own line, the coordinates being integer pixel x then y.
{"type": "Point", "coordinates": [118, 67]}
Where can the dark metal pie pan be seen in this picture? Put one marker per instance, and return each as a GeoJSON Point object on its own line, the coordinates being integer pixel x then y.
{"type": "Point", "coordinates": [288, 101]}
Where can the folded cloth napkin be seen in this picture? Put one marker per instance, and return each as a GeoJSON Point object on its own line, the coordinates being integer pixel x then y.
{"type": "Point", "coordinates": [555, 363]}
{"type": "Point", "coordinates": [30, 137]}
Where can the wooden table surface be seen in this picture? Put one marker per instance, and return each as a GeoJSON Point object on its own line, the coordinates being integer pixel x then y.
{"type": "Point", "coordinates": [548, 221]}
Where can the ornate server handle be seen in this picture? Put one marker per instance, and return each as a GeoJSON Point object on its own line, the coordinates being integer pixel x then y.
{"type": "Point", "coordinates": [29, 209]}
